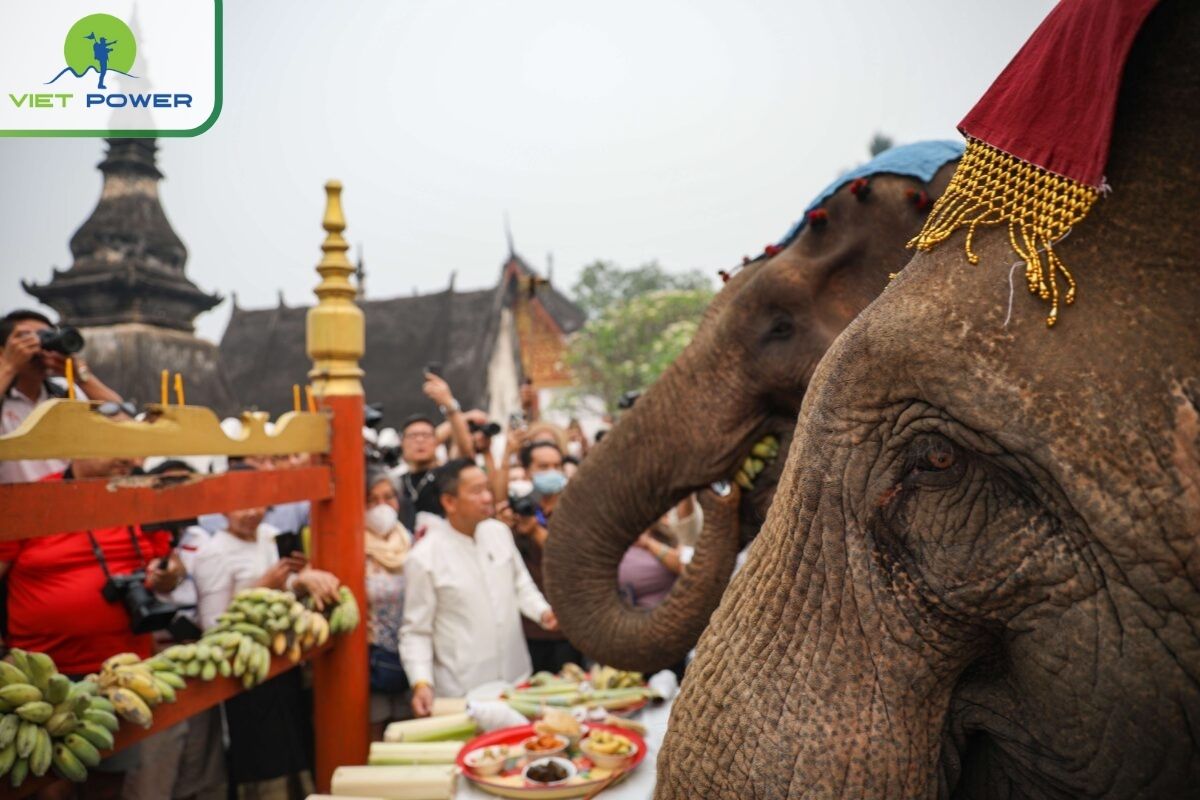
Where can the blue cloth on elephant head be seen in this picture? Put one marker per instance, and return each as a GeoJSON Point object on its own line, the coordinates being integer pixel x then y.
{"type": "Point", "coordinates": [920, 160]}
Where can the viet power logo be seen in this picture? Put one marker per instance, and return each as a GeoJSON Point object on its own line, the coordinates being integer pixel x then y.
{"type": "Point", "coordinates": [96, 48]}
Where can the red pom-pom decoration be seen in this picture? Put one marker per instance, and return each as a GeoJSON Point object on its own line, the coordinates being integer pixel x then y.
{"type": "Point", "coordinates": [745, 260]}
{"type": "Point", "coordinates": [772, 250]}
{"type": "Point", "coordinates": [860, 188]}
{"type": "Point", "coordinates": [724, 275]}
{"type": "Point", "coordinates": [817, 217]}
{"type": "Point", "coordinates": [919, 198]}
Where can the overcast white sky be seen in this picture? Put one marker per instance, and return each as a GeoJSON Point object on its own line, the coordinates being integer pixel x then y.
{"type": "Point", "coordinates": [688, 132]}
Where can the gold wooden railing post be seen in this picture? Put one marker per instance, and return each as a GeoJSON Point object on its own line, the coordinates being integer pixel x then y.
{"type": "Point", "coordinates": [335, 340]}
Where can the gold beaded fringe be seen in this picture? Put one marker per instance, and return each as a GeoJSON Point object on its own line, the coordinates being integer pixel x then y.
{"type": "Point", "coordinates": [991, 187]}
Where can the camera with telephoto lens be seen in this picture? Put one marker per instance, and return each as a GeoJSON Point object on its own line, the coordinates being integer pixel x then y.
{"type": "Point", "coordinates": [65, 340]}
{"type": "Point", "coordinates": [146, 612]}
{"type": "Point", "coordinates": [523, 506]}
{"type": "Point", "coordinates": [488, 429]}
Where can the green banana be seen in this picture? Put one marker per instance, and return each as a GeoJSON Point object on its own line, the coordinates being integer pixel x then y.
{"type": "Point", "coordinates": [166, 691]}
{"type": "Point", "coordinates": [20, 693]}
{"type": "Point", "coordinates": [84, 750]}
{"type": "Point", "coordinates": [20, 660]}
{"type": "Point", "coordinates": [102, 704]}
{"type": "Point", "coordinates": [172, 679]}
{"type": "Point", "coordinates": [209, 671]}
{"type": "Point", "coordinates": [102, 718]}
{"type": "Point", "coordinates": [224, 669]}
{"type": "Point", "coordinates": [62, 723]}
{"type": "Point", "coordinates": [253, 631]}
{"type": "Point", "coordinates": [67, 764]}
{"type": "Point", "coordinates": [10, 673]}
{"type": "Point", "coordinates": [8, 729]}
{"type": "Point", "coordinates": [19, 772]}
{"type": "Point", "coordinates": [43, 751]}
{"type": "Point", "coordinates": [97, 735]}
{"type": "Point", "coordinates": [84, 688]}
{"type": "Point", "coordinates": [193, 668]}
{"type": "Point", "coordinates": [58, 687]}
{"type": "Point", "coordinates": [26, 738]}
{"type": "Point", "coordinates": [8, 755]}
{"type": "Point", "coordinates": [38, 711]}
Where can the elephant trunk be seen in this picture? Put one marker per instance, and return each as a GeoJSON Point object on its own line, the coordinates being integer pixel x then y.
{"type": "Point", "coordinates": [650, 461]}
{"type": "Point", "coordinates": [818, 692]}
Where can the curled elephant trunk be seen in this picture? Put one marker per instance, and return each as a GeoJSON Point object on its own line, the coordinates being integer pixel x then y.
{"type": "Point", "coordinates": [606, 507]}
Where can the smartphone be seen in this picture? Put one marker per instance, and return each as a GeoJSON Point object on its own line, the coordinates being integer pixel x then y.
{"type": "Point", "coordinates": [516, 420]}
{"type": "Point", "coordinates": [287, 543]}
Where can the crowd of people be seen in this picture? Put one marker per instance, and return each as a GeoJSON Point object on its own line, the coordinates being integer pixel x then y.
{"type": "Point", "coordinates": [454, 529]}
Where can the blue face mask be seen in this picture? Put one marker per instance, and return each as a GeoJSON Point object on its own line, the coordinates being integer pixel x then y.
{"type": "Point", "coordinates": [549, 482]}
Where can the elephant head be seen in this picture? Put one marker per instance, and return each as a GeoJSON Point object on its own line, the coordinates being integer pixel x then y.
{"type": "Point", "coordinates": [981, 574]}
{"type": "Point", "coordinates": [723, 407]}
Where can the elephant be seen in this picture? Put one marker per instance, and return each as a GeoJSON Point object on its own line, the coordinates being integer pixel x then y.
{"type": "Point", "coordinates": [980, 577]}
{"type": "Point", "coordinates": [726, 403]}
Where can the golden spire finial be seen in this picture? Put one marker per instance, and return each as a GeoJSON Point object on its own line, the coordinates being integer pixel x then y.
{"type": "Point", "coordinates": [335, 331]}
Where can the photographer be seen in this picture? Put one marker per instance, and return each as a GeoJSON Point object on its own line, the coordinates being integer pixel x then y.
{"type": "Point", "coordinates": [529, 512]}
{"type": "Point", "coordinates": [31, 350]}
{"type": "Point", "coordinates": [267, 725]}
{"type": "Point", "coordinates": [79, 597]}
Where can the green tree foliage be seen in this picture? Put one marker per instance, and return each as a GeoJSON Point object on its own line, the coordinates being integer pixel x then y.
{"type": "Point", "coordinates": [603, 284]}
{"type": "Point", "coordinates": [632, 340]}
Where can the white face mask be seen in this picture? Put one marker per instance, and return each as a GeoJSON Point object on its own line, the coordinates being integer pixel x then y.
{"type": "Point", "coordinates": [520, 488]}
{"type": "Point", "coordinates": [575, 449]}
{"type": "Point", "coordinates": [381, 519]}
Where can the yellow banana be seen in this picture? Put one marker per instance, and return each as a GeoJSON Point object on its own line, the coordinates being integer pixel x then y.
{"type": "Point", "coordinates": [142, 683]}
{"type": "Point", "coordinates": [120, 660]}
{"type": "Point", "coordinates": [131, 706]}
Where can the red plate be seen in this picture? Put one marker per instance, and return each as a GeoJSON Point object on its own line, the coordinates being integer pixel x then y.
{"type": "Point", "coordinates": [509, 782]}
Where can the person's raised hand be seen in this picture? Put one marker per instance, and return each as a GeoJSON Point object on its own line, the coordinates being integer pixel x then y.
{"type": "Point", "coordinates": [476, 415]}
{"type": "Point", "coordinates": [276, 575]}
{"type": "Point", "coordinates": [56, 363]}
{"type": "Point", "coordinates": [422, 700]}
{"type": "Point", "coordinates": [645, 541]}
{"type": "Point", "coordinates": [20, 348]}
{"type": "Point", "coordinates": [437, 390]}
{"type": "Point", "coordinates": [322, 586]}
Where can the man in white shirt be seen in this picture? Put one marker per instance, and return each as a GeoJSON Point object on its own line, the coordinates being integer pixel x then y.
{"type": "Point", "coordinates": [466, 589]}
{"type": "Point", "coordinates": [25, 370]}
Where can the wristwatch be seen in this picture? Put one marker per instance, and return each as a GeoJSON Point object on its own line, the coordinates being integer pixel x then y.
{"type": "Point", "coordinates": [82, 373]}
{"type": "Point", "coordinates": [452, 408]}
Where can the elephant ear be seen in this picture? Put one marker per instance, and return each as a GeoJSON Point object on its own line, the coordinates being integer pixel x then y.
{"type": "Point", "coordinates": [1038, 141]}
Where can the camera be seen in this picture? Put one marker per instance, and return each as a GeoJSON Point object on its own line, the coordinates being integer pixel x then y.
{"type": "Point", "coordinates": [65, 340]}
{"type": "Point", "coordinates": [488, 429]}
{"type": "Point", "coordinates": [146, 612]}
{"type": "Point", "coordinates": [626, 400]}
{"type": "Point", "coordinates": [516, 420]}
{"type": "Point", "coordinates": [523, 506]}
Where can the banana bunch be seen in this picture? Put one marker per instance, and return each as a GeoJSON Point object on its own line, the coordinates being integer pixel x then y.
{"type": "Point", "coordinates": [135, 687]}
{"type": "Point", "coordinates": [262, 621]}
{"type": "Point", "coordinates": [47, 720]}
{"type": "Point", "coordinates": [345, 616]}
{"type": "Point", "coordinates": [612, 678]}
{"type": "Point", "coordinates": [205, 660]}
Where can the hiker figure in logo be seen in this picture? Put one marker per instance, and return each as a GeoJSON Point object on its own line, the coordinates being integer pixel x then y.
{"type": "Point", "coordinates": [101, 48]}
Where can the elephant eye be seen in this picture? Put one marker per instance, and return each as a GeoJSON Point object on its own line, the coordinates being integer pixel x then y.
{"type": "Point", "coordinates": [781, 328]}
{"type": "Point", "coordinates": [933, 460]}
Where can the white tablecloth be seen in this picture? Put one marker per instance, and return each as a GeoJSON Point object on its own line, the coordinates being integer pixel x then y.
{"type": "Point", "coordinates": [639, 785]}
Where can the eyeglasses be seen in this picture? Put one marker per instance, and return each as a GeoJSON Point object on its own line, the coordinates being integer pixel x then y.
{"type": "Point", "coordinates": [112, 408]}
{"type": "Point", "coordinates": [415, 435]}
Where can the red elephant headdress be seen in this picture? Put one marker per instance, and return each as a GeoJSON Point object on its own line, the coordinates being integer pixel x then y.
{"type": "Point", "coordinates": [1037, 142]}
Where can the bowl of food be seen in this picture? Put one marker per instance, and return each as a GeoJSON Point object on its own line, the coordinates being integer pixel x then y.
{"type": "Point", "coordinates": [560, 722]}
{"type": "Point", "coordinates": [546, 744]}
{"type": "Point", "coordinates": [487, 761]}
{"type": "Point", "coordinates": [551, 771]}
{"type": "Point", "coordinates": [608, 750]}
